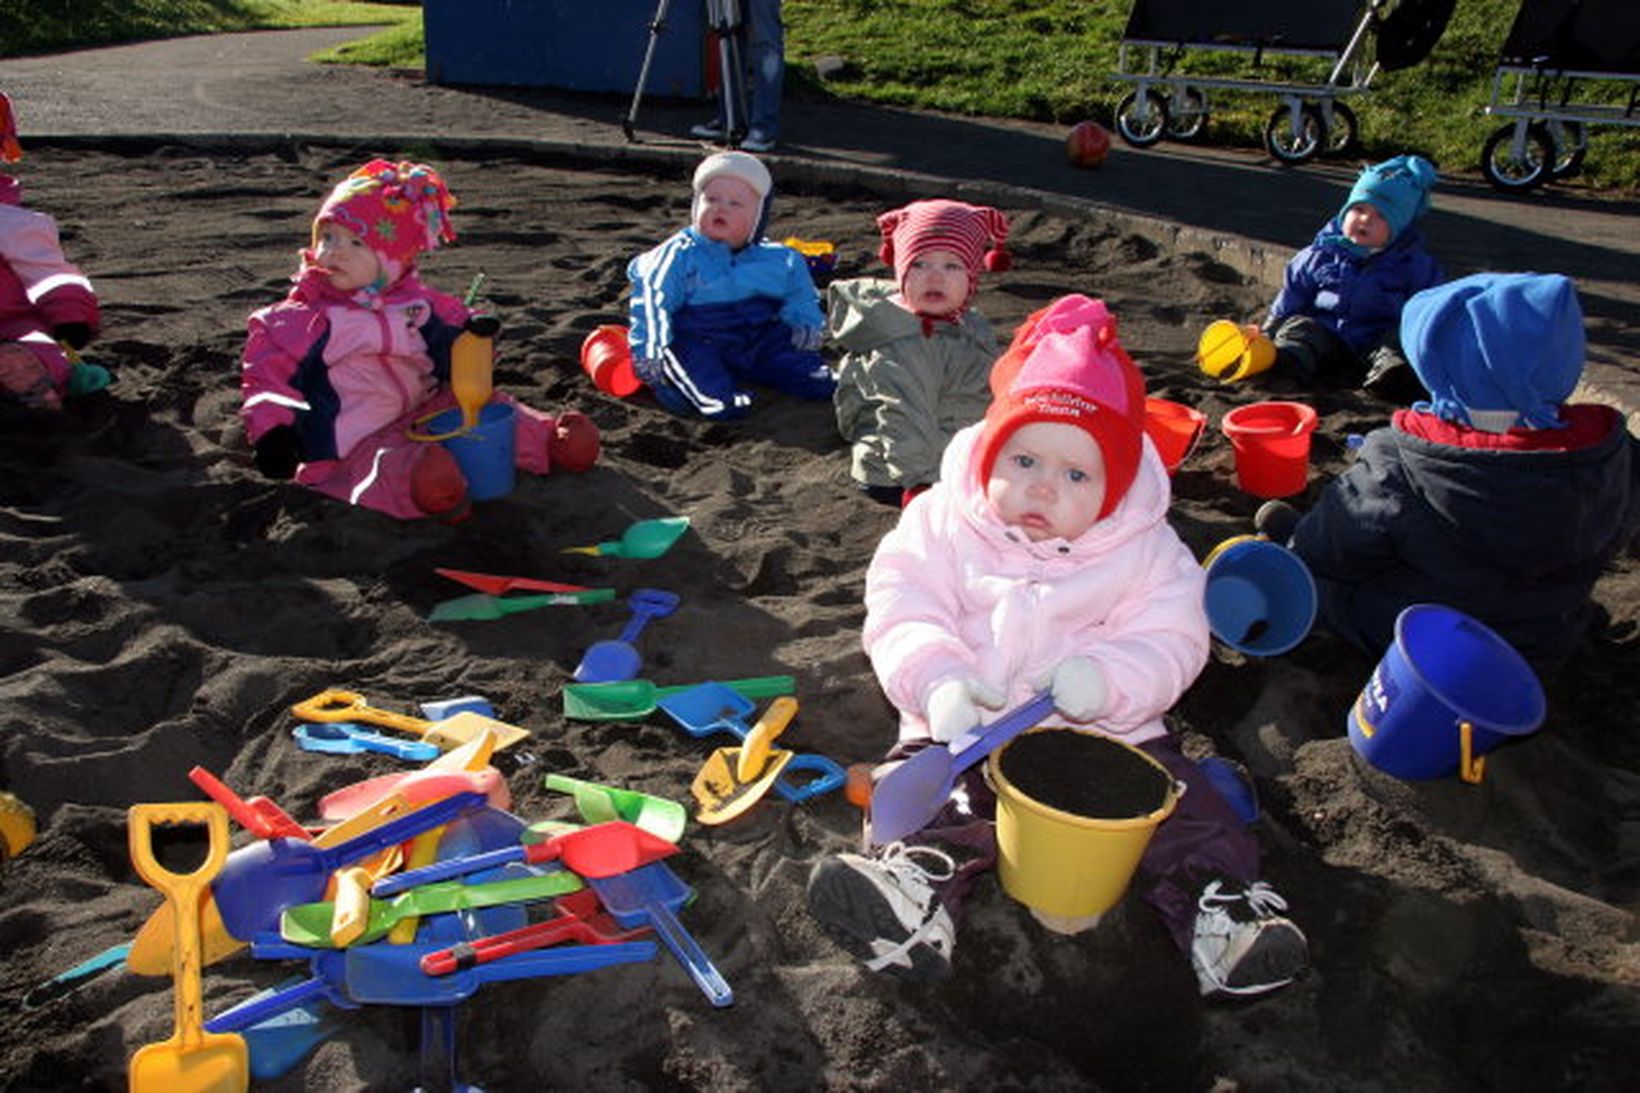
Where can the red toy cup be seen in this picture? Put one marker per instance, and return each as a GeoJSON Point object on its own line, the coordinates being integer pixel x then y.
{"type": "Point", "coordinates": [607, 359]}
{"type": "Point", "coordinates": [1272, 446]}
{"type": "Point", "coordinates": [1174, 428]}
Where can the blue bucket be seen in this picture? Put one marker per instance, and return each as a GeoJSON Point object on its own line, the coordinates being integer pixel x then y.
{"type": "Point", "coordinates": [1446, 692]}
{"type": "Point", "coordinates": [485, 454]}
{"type": "Point", "coordinates": [1260, 596]}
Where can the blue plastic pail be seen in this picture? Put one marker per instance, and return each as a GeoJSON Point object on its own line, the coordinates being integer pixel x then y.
{"type": "Point", "coordinates": [1446, 692]}
{"type": "Point", "coordinates": [1260, 596]}
{"type": "Point", "coordinates": [485, 453]}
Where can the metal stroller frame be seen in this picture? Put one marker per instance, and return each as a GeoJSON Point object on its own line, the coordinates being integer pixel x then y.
{"type": "Point", "coordinates": [1552, 47]}
{"type": "Point", "coordinates": [1310, 118]}
{"type": "Point", "coordinates": [723, 19]}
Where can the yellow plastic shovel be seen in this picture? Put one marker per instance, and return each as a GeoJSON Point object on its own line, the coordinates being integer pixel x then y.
{"type": "Point", "coordinates": [735, 779]}
{"type": "Point", "coordinates": [463, 728]}
{"type": "Point", "coordinates": [192, 1059]}
{"type": "Point", "coordinates": [472, 374]}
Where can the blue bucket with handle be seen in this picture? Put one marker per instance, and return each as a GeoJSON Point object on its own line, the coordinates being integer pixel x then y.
{"type": "Point", "coordinates": [485, 452]}
{"type": "Point", "coordinates": [1447, 691]}
{"type": "Point", "coordinates": [1260, 597]}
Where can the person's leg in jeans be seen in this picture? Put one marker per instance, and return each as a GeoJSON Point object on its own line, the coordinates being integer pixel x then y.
{"type": "Point", "coordinates": [766, 60]}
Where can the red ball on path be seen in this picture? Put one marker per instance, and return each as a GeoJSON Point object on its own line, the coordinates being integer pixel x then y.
{"type": "Point", "coordinates": [1087, 144]}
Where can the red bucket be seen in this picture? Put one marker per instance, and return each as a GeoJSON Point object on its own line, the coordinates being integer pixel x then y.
{"type": "Point", "coordinates": [607, 359]}
{"type": "Point", "coordinates": [1272, 446]}
{"type": "Point", "coordinates": [1174, 428]}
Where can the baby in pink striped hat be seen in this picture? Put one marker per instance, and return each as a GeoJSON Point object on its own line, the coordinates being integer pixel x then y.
{"type": "Point", "coordinates": [916, 354]}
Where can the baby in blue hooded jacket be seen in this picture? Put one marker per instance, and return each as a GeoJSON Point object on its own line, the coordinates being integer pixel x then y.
{"type": "Point", "coordinates": [1335, 319]}
{"type": "Point", "coordinates": [1495, 496]}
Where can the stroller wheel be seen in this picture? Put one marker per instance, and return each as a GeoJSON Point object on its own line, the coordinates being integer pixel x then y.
{"type": "Point", "coordinates": [1141, 122]}
{"type": "Point", "coordinates": [1513, 165]}
{"type": "Point", "coordinates": [1186, 114]}
{"type": "Point", "coordinates": [1295, 132]}
{"type": "Point", "coordinates": [1343, 132]}
{"type": "Point", "coordinates": [1571, 145]}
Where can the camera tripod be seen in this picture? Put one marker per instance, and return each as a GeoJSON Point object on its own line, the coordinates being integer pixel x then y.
{"type": "Point", "coordinates": [723, 19]}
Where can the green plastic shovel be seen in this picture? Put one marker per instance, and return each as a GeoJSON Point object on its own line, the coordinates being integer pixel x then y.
{"type": "Point", "coordinates": [630, 699]}
{"type": "Point", "coordinates": [480, 606]}
{"type": "Point", "coordinates": [309, 923]}
{"type": "Point", "coordinates": [644, 539]}
{"type": "Point", "coordinates": [599, 803]}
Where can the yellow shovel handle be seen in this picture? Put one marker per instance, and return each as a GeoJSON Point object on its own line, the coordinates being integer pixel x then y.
{"type": "Point", "coordinates": [336, 705]}
{"type": "Point", "coordinates": [754, 752]}
{"type": "Point", "coordinates": [185, 893]}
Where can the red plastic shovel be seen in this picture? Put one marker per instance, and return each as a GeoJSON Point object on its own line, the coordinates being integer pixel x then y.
{"type": "Point", "coordinates": [259, 815]}
{"type": "Point", "coordinates": [601, 850]}
{"type": "Point", "coordinates": [580, 918]}
{"type": "Point", "coordinates": [499, 585]}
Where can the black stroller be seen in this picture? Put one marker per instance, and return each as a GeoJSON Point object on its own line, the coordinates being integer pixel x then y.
{"type": "Point", "coordinates": [1563, 67]}
{"type": "Point", "coordinates": [1348, 40]}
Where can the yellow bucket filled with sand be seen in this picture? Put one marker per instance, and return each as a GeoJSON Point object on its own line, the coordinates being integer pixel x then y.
{"type": "Point", "coordinates": [1075, 812]}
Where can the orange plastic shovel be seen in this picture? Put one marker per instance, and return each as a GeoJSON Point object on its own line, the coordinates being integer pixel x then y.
{"type": "Point", "coordinates": [192, 1059]}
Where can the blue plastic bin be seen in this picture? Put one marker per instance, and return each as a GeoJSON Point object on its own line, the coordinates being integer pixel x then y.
{"type": "Point", "coordinates": [577, 46]}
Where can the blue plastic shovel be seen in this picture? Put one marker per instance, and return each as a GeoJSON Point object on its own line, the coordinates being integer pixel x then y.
{"type": "Point", "coordinates": [619, 659]}
{"type": "Point", "coordinates": [346, 738]}
{"type": "Point", "coordinates": [716, 707]}
{"type": "Point", "coordinates": [651, 896]}
{"type": "Point", "coordinates": [913, 793]}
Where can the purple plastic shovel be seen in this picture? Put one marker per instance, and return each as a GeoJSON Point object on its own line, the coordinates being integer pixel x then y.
{"type": "Point", "coordinates": [913, 793]}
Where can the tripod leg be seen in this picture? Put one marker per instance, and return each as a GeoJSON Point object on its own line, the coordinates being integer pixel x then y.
{"type": "Point", "coordinates": [656, 28]}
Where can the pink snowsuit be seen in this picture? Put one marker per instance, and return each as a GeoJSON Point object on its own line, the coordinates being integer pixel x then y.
{"type": "Point", "coordinates": [40, 289]}
{"type": "Point", "coordinates": [954, 593]}
{"type": "Point", "coordinates": [353, 380]}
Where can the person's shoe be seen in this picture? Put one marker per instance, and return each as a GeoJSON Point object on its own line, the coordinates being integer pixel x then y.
{"type": "Point", "coordinates": [573, 445]}
{"type": "Point", "coordinates": [1276, 521]}
{"type": "Point", "coordinates": [707, 130]}
{"type": "Point", "coordinates": [757, 141]}
{"type": "Point", "coordinates": [884, 911]}
{"type": "Point", "coordinates": [1242, 947]}
{"type": "Point", "coordinates": [23, 376]}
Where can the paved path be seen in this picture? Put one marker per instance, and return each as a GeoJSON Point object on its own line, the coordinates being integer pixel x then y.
{"type": "Point", "coordinates": [1234, 202]}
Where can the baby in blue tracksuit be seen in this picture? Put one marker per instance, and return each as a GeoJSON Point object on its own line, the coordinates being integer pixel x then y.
{"type": "Point", "coordinates": [1336, 317]}
{"type": "Point", "coordinates": [717, 306]}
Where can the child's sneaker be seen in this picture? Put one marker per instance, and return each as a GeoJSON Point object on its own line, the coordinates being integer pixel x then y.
{"type": "Point", "coordinates": [1242, 947]}
{"type": "Point", "coordinates": [884, 911]}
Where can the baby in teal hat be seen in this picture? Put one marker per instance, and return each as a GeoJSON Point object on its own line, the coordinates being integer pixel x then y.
{"type": "Point", "coordinates": [1334, 321]}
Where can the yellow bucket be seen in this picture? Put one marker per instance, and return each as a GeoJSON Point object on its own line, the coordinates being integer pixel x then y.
{"type": "Point", "coordinates": [1230, 352]}
{"type": "Point", "coordinates": [1061, 864]}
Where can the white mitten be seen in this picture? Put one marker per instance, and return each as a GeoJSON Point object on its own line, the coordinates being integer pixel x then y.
{"type": "Point", "coordinates": [1079, 689]}
{"type": "Point", "coordinates": [953, 707]}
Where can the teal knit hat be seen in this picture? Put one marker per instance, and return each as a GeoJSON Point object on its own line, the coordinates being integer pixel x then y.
{"type": "Point", "coordinates": [1398, 188]}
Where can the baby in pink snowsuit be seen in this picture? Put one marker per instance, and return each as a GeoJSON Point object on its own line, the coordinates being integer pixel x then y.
{"type": "Point", "coordinates": [337, 374]}
{"type": "Point", "coordinates": [45, 301]}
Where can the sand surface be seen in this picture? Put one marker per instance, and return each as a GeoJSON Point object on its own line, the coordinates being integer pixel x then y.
{"type": "Point", "coordinates": [163, 607]}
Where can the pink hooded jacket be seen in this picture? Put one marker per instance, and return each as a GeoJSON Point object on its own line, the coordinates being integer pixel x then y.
{"type": "Point", "coordinates": [40, 289]}
{"type": "Point", "coordinates": [953, 593]}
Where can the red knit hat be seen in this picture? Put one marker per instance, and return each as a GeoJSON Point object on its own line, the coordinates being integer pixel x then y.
{"type": "Point", "coordinates": [1066, 366]}
{"type": "Point", "coordinates": [975, 233]}
{"type": "Point", "coordinates": [400, 211]}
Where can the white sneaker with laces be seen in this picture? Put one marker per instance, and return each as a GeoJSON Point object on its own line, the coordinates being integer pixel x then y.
{"type": "Point", "coordinates": [757, 141]}
{"type": "Point", "coordinates": [1242, 947]}
{"type": "Point", "coordinates": [883, 909]}
{"type": "Point", "coordinates": [707, 130]}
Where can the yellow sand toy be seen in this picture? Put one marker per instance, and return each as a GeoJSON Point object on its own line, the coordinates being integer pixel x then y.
{"type": "Point", "coordinates": [16, 826]}
{"type": "Point", "coordinates": [1228, 351]}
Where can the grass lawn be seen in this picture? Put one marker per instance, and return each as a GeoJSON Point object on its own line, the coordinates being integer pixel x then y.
{"type": "Point", "coordinates": [1044, 60]}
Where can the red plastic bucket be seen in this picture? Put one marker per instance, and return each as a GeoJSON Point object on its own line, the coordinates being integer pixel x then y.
{"type": "Point", "coordinates": [1174, 428]}
{"type": "Point", "coordinates": [1272, 445]}
{"type": "Point", "coordinates": [607, 359]}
